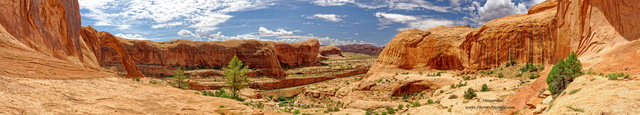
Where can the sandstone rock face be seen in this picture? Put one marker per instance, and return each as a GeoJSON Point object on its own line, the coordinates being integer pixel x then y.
{"type": "Point", "coordinates": [362, 48]}
{"type": "Point", "coordinates": [163, 58]}
{"type": "Point", "coordinates": [99, 40]}
{"type": "Point", "coordinates": [42, 40]}
{"type": "Point", "coordinates": [525, 37]}
{"type": "Point", "coordinates": [298, 54]}
{"type": "Point", "coordinates": [330, 50]}
{"type": "Point", "coordinates": [434, 48]}
{"type": "Point", "coordinates": [604, 33]}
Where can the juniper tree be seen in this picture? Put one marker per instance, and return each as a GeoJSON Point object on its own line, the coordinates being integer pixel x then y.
{"type": "Point", "coordinates": [179, 79]}
{"type": "Point", "coordinates": [563, 73]}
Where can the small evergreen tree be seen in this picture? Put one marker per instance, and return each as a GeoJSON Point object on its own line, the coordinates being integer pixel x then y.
{"type": "Point", "coordinates": [563, 73]}
{"type": "Point", "coordinates": [179, 79]}
{"type": "Point", "coordinates": [235, 75]}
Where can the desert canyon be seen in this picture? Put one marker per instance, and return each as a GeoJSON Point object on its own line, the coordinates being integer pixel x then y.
{"type": "Point", "coordinates": [50, 64]}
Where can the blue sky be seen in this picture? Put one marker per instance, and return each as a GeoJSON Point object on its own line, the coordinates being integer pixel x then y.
{"type": "Point", "coordinates": [333, 22]}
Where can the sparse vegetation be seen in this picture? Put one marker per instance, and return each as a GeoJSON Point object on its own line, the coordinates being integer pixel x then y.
{"type": "Point", "coordinates": [529, 67]}
{"type": "Point", "coordinates": [179, 79]}
{"type": "Point", "coordinates": [511, 62]}
{"type": "Point", "coordinates": [533, 76]}
{"type": "Point", "coordinates": [573, 91]}
{"type": "Point", "coordinates": [615, 76]}
{"type": "Point", "coordinates": [235, 75]}
{"type": "Point", "coordinates": [576, 109]}
{"type": "Point", "coordinates": [485, 88]}
{"type": "Point", "coordinates": [500, 75]}
{"type": "Point", "coordinates": [563, 73]}
{"type": "Point", "coordinates": [430, 102]}
{"type": "Point", "coordinates": [153, 82]}
{"type": "Point", "coordinates": [453, 96]}
{"type": "Point", "coordinates": [469, 94]}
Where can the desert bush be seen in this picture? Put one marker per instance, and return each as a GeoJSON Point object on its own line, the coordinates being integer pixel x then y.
{"type": "Point", "coordinates": [615, 76]}
{"type": "Point", "coordinates": [533, 76]}
{"type": "Point", "coordinates": [563, 73]}
{"type": "Point", "coordinates": [430, 102]}
{"type": "Point", "coordinates": [529, 67]}
{"type": "Point", "coordinates": [453, 96]}
{"type": "Point", "coordinates": [297, 111]}
{"type": "Point", "coordinates": [390, 110]}
{"type": "Point", "coordinates": [511, 62]}
{"type": "Point", "coordinates": [400, 106]}
{"type": "Point", "coordinates": [469, 94]}
{"type": "Point", "coordinates": [500, 75]}
{"type": "Point", "coordinates": [485, 88]}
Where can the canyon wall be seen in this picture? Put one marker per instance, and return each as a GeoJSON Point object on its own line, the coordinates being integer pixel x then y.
{"type": "Point", "coordinates": [266, 57]}
{"type": "Point", "coordinates": [41, 39]}
{"type": "Point", "coordinates": [298, 54]}
{"type": "Point", "coordinates": [330, 50]}
{"type": "Point", "coordinates": [414, 49]}
{"type": "Point", "coordinates": [604, 33]}
{"type": "Point", "coordinates": [362, 48]}
{"type": "Point", "coordinates": [522, 37]}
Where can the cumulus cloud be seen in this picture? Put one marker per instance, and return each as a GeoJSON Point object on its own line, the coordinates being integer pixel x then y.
{"type": "Point", "coordinates": [279, 32]}
{"type": "Point", "coordinates": [493, 9]}
{"type": "Point", "coordinates": [391, 4]}
{"type": "Point", "coordinates": [412, 22]}
{"type": "Point", "coordinates": [199, 14]}
{"type": "Point", "coordinates": [328, 17]}
{"type": "Point", "coordinates": [131, 36]}
{"type": "Point", "coordinates": [264, 34]}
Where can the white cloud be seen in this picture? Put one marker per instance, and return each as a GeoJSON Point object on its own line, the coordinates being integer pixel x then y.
{"type": "Point", "coordinates": [198, 14]}
{"type": "Point", "coordinates": [332, 2]}
{"type": "Point", "coordinates": [534, 2]}
{"type": "Point", "coordinates": [493, 9]}
{"type": "Point", "coordinates": [131, 36]}
{"type": "Point", "coordinates": [328, 17]}
{"type": "Point", "coordinates": [412, 22]}
{"type": "Point", "coordinates": [171, 24]}
{"type": "Point", "coordinates": [391, 4]}
{"type": "Point", "coordinates": [279, 32]}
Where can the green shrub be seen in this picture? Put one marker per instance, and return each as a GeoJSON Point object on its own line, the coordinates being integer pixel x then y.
{"type": "Point", "coordinates": [390, 110]}
{"type": "Point", "coordinates": [533, 76]}
{"type": "Point", "coordinates": [573, 91]}
{"type": "Point", "coordinates": [453, 96]}
{"type": "Point", "coordinates": [369, 112]}
{"type": "Point", "coordinates": [297, 111]}
{"type": "Point", "coordinates": [530, 68]}
{"type": "Point", "coordinates": [153, 82]}
{"type": "Point", "coordinates": [563, 73]}
{"type": "Point", "coordinates": [500, 75]}
{"type": "Point", "coordinates": [400, 106]}
{"type": "Point", "coordinates": [485, 88]}
{"type": "Point", "coordinates": [469, 94]}
{"type": "Point", "coordinates": [281, 98]}
{"type": "Point", "coordinates": [415, 104]}
{"type": "Point", "coordinates": [270, 97]}
{"type": "Point", "coordinates": [615, 76]}
{"type": "Point", "coordinates": [430, 102]}
{"type": "Point", "coordinates": [511, 62]}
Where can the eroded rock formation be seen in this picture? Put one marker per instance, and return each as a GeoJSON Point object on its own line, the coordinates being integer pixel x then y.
{"type": "Point", "coordinates": [41, 39]}
{"type": "Point", "coordinates": [435, 48]}
{"type": "Point", "coordinates": [362, 48]}
{"type": "Point", "coordinates": [330, 50]}
{"type": "Point", "coordinates": [164, 57]}
{"type": "Point", "coordinates": [298, 54]}
{"type": "Point", "coordinates": [99, 40]}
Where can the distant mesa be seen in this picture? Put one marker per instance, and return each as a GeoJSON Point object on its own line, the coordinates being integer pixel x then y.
{"type": "Point", "coordinates": [362, 48]}
{"type": "Point", "coordinates": [330, 50]}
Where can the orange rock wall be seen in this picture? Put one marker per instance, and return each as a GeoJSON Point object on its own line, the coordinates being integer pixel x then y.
{"type": "Point", "coordinates": [330, 50]}
{"type": "Point", "coordinates": [298, 54]}
{"type": "Point", "coordinates": [362, 48]}
{"type": "Point", "coordinates": [258, 55]}
{"type": "Point", "coordinates": [47, 33]}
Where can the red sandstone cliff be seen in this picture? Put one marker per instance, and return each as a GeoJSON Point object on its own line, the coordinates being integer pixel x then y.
{"type": "Point", "coordinates": [330, 50]}
{"type": "Point", "coordinates": [362, 48]}
{"type": "Point", "coordinates": [298, 54]}
{"type": "Point", "coordinates": [41, 39]}
{"type": "Point", "coordinates": [162, 58]}
{"type": "Point", "coordinates": [434, 48]}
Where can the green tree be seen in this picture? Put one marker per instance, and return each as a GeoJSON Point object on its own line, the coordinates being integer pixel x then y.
{"type": "Point", "coordinates": [179, 79]}
{"type": "Point", "coordinates": [235, 75]}
{"type": "Point", "coordinates": [485, 88]}
{"type": "Point", "coordinates": [469, 94]}
{"type": "Point", "coordinates": [563, 73]}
